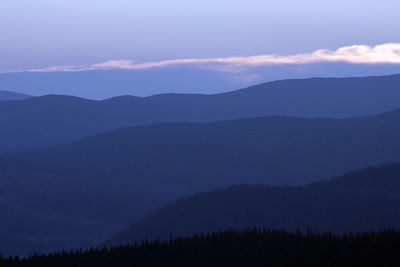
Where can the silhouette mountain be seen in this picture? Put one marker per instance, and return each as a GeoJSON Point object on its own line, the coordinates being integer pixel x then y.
{"type": "Point", "coordinates": [55, 119]}
{"type": "Point", "coordinates": [117, 177]}
{"type": "Point", "coordinates": [187, 157]}
{"type": "Point", "coordinates": [7, 95]}
{"type": "Point", "coordinates": [364, 200]}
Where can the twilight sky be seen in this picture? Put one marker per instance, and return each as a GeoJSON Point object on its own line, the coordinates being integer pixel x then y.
{"type": "Point", "coordinates": [43, 33]}
{"type": "Point", "coordinates": [237, 43]}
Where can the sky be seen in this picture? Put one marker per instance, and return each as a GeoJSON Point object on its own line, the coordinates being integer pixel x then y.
{"type": "Point", "coordinates": [43, 33]}
{"type": "Point", "coordinates": [218, 35]}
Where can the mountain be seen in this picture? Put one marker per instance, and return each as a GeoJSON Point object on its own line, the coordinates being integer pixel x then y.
{"type": "Point", "coordinates": [138, 169]}
{"type": "Point", "coordinates": [187, 157]}
{"type": "Point", "coordinates": [118, 177]}
{"type": "Point", "coordinates": [7, 95]}
{"type": "Point", "coordinates": [25, 228]}
{"type": "Point", "coordinates": [101, 84]}
{"type": "Point", "coordinates": [55, 119]}
{"type": "Point", "coordinates": [360, 201]}
{"type": "Point", "coordinates": [24, 231]}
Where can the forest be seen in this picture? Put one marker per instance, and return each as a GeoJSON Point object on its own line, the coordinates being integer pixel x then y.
{"type": "Point", "coordinates": [250, 247]}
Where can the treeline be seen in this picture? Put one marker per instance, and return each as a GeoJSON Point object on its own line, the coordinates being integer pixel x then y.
{"type": "Point", "coordinates": [251, 247]}
{"type": "Point", "coordinates": [360, 201]}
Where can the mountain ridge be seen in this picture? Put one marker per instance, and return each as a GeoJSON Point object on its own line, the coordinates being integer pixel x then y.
{"type": "Point", "coordinates": [57, 119]}
{"type": "Point", "coordinates": [339, 205]}
{"type": "Point", "coordinates": [138, 169]}
{"type": "Point", "coordinates": [10, 96]}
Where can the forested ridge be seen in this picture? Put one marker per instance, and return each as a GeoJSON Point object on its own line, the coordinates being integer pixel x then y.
{"type": "Point", "coordinates": [251, 247]}
{"type": "Point", "coordinates": [363, 200]}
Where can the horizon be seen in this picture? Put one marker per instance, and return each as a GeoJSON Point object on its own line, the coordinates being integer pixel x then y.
{"type": "Point", "coordinates": [190, 47]}
{"type": "Point", "coordinates": [104, 84]}
{"type": "Point", "coordinates": [213, 93]}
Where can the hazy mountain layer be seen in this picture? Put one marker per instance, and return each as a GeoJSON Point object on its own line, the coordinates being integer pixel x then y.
{"type": "Point", "coordinates": [117, 177]}
{"type": "Point", "coordinates": [7, 95]}
{"type": "Point", "coordinates": [54, 120]}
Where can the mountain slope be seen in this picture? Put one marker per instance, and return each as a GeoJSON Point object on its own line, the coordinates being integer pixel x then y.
{"type": "Point", "coordinates": [53, 120]}
{"type": "Point", "coordinates": [140, 168]}
{"type": "Point", "coordinates": [347, 203]}
{"type": "Point", "coordinates": [26, 224]}
{"type": "Point", "coordinates": [7, 95]}
{"type": "Point", "coordinates": [24, 231]}
{"type": "Point", "coordinates": [201, 156]}
{"type": "Point", "coordinates": [118, 177]}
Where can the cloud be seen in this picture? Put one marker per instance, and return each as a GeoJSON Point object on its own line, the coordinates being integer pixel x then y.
{"type": "Point", "coordinates": [388, 53]}
{"type": "Point", "coordinates": [114, 64]}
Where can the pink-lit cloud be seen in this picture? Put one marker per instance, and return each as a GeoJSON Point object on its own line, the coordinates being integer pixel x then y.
{"type": "Point", "coordinates": [388, 53]}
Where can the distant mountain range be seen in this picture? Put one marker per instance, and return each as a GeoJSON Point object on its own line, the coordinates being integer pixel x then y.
{"type": "Point", "coordinates": [108, 163]}
{"type": "Point", "coordinates": [187, 157]}
{"type": "Point", "coordinates": [102, 84]}
{"type": "Point", "coordinates": [117, 177]}
{"type": "Point", "coordinates": [360, 201]}
{"type": "Point", "coordinates": [7, 95]}
{"type": "Point", "coordinates": [55, 120]}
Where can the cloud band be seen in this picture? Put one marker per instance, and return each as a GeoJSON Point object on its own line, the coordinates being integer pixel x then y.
{"type": "Point", "coordinates": [388, 53]}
